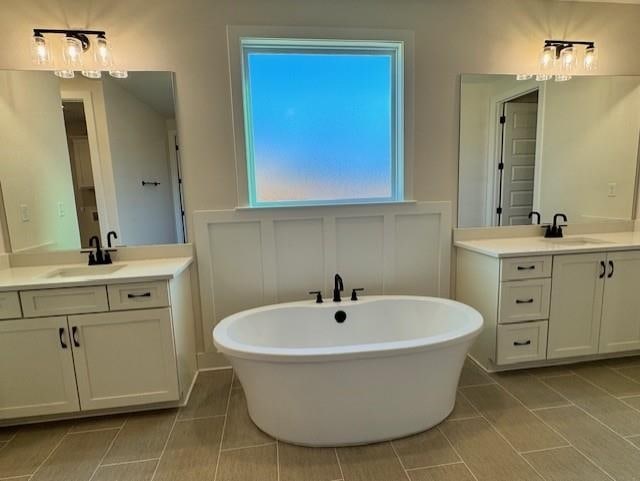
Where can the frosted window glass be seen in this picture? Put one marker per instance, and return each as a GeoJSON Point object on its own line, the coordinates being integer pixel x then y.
{"type": "Point", "coordinates": [320, 126]}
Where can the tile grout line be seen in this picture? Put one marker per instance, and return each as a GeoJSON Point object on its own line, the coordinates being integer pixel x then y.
{"type": "Point", "coordinates": [404, 470]}
{"type": "Point", "coordinates": [602, 388]}
{"type": "Point", "coordinates": [277, 460]}
{"type": "Point", "coordinates": [164, 448]}
{"type": "Point", "coordinates": [240, 448]}
{"type": "Point", "coordinates": [224, 427]}
{"type": "Point", "coordinates": [544, 408]}
{"type": "Point", "coordinates": [456, 451]}
{"type": "Point", "coordinates": [199, 418]}
{"type": "Point", "coordinates": [107, 465]}
{"type": "Point", "coordinates": [97, 430]}
{"type": "Point", "coordinates": [418, 468]}
{"type": "Point", "coordinates": [552, 428]}
{"type": "Point", "coordinates": [335, 452]}
{"type": "Point", "coordinates": [108, 449]}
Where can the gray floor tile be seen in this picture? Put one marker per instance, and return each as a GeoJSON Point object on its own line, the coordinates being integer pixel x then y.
{"type": "Point", "coordinates": [209, 396]}
{"type": "Point", "coordinates": [452, 472]}
{"type": "Point", "coordinates": [529, 390]}
{"type": "Point", "coordinates": [142, 471]}
{"type": "Point", "coordinates": [250, 464]}
{"type": "Point", "coordinates": [608, 450]}
{"type": "Point", "coordinates": [462, 408]}
{"type": "Point", "coordinates": [565, 464]}
{"type": "Point", "coordinates": [375, 462]}
{"type": "Point", "coordinates": [240, 431]}
{"type": "Point", "coordinates": [99, 422]}
{"type": "Point", "coordinates": [609, 380]}
{"type": "Point", "coordinates": [472, 375]}
{"type": "Point", "coordinates": [298, 463]}
{"type": "Point", "coordinates": [429, 448]}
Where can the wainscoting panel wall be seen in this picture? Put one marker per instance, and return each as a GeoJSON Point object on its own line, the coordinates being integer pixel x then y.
{"type": "Point", "coordinates": [254, 257]}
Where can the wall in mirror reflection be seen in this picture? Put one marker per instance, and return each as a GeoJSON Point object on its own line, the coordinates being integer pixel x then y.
{"type": "Point", "coordinates": [550, 147]}
{"type": "Point", "coordinates": [83, 157]}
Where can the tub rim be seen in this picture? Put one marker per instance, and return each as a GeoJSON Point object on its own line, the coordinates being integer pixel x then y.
{"type": "Point", "coordinates": [232, 348]}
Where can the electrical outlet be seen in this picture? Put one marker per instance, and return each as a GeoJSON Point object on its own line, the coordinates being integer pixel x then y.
{"type": "Point", "coordinates": [612, 190]}
{"type": "Point", "coordinates": [61, 209]}
{"type": "Point", "coordinates": [25, 215]}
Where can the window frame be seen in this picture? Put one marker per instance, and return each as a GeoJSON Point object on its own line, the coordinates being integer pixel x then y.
{"type": "Point", "coordinates": [395, 49]}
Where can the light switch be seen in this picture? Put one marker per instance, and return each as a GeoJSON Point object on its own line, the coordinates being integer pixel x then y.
{"type": "Point", "coordinates": [613, 189]}
{"type": "Point", "coordinates": [25, 215]}
{"type": "Point", "coordinates": [61, 209]}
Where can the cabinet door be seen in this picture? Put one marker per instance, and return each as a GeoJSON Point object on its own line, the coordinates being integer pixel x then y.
{"type": "Point", "coordinates": [620, 326]}
{"type": "Point", "coordinates": [576, 303]}
{"type": "Point", "coordinates": [36, 368]}
{"type": "Point", "coordinates": [124, 358]}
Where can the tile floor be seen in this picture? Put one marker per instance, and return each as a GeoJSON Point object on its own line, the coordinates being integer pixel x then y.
{"type": "Point", "coordinates": [575, 423]}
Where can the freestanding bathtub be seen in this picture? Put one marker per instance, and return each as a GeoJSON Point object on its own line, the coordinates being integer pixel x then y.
{"type": "Point", "coordinates": [390, 369]}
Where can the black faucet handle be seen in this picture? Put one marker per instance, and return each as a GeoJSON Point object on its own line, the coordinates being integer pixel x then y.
{"type": "Point", "coordinates": [318, 295]}
{"type": "Point", "coordinates": [354, 295]}
{"type": "Point", "coordinates": [537, 214]}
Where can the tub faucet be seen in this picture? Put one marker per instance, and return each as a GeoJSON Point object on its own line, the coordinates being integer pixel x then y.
{"type": "Point", "coordinates": [338, 287]}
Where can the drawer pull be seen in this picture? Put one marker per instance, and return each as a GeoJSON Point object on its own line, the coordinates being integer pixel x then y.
{"type": "Point", "coordinates": [74, 335]}
{"type": "Point", "coordinates": [526, 268]}
{"type": "Point", "coordinates": [522, 343]}
{"type": "Point", "coordinates": [524, 301]}
{"type": "Point", "coordinates": [63, 344]}
{"type": "Point", "coordinates": [137, 296]}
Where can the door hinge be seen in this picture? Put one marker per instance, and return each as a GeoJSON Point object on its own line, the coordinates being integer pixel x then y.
{"type": "Point", "coordinates": [501, 166]}
{"type": "Point", "coordinates": [503, 119]}
{"type": "Point", "coordinates": [499, 210]}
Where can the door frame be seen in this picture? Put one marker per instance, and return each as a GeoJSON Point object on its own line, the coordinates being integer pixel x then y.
{"type": "Point", "coordinates": [495, 146]}
{"type": "Point", "coordinates": [101, 166]}
{"type": "Point", "coordinates": [177, 186]}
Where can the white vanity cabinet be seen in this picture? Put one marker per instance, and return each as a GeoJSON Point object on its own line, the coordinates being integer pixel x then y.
{"type": "Point", "coordinates": [540, 309]}
{"type": "Point", "coordinates": [97, 354]}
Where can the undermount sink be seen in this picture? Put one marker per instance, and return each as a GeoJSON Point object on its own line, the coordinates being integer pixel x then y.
{"type": "Point", "coordinates": [85, 271]}
{"type": "Point", "coordinates": [576, 241]}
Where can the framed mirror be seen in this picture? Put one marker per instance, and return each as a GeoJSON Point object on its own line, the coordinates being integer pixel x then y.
{"type": "Point", "coordinates": [82, 157]}
{"type": "Point", "coordinates": [549, 147]}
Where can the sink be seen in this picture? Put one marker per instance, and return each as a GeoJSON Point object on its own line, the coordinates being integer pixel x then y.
{"type": "Point", "coordinates": [576, 241]}
{"type": "Point", "coordinates": [85, 271]}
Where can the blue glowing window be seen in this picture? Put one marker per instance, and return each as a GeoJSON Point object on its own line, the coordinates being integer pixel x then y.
{"type": "Point", "coordinates": [323, 121]}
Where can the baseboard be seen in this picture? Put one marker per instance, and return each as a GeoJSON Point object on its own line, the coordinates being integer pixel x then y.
{"type": "Point", "coordinates": [212, 360]}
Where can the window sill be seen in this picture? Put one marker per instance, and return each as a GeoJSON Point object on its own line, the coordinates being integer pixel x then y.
{"type": "Point", "coordinates": [324, 206]}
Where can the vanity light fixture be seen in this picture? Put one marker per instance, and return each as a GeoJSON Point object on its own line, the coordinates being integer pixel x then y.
{"type": "Point", "coordinates": [559, 59]}
{"type": "Point", "coordinates": [79, 47]}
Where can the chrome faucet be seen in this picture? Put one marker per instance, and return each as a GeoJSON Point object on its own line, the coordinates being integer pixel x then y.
{"type": "Point", "coordinates": [338, 287]}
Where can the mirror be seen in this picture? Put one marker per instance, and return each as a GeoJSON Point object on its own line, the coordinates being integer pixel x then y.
{"type": "Point", "coordinates": [82, 157]}
{"type": "Point", "coordinates": [569, 147]}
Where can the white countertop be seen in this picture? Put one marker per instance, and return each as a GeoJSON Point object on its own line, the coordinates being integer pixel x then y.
{"type": "Point", "coordinates": [37, 277]}
{"type": "Point", "coordinates": [535, 246]}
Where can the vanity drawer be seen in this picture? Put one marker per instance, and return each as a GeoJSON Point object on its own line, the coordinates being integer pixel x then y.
{"type": "Point", "coordinates": [522, 342]}
{"type": "Point", "coordinates": [138, 296]}
{"type": "Point", "coordinates": [524, 300]}
{"type": "Point", "coordinates": [10, 305]}
{"type": "Point", "coordinates": [526, 268]}
{"type": "Point", "coordinates": [67, 300]}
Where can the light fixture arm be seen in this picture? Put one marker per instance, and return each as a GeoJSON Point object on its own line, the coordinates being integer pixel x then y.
{"type": "Point", "coordinates": [81, 35]}
{"type": "Point", "coordinates": [562, 44]}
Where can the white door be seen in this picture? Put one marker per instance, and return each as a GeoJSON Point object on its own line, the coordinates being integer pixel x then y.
{"type": "Point", "coordinates": [620, 326]}
{"type": "Point", "coordinates": [576, 305]}
{"type": "Point", "coordinates": [124, 358]}
{"type": "Point", "coordinates": [36, 368]}
{"type": "Point", "coordinates": [518, 157]}
{"type": "Point", "coordinates": [82, 162]}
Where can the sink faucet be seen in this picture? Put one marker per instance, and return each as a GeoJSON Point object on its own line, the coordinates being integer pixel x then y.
{"type": "Point", "coordinates": [555, 230]}
{"type": "Point", "coordinates": [109, 249]}
{"type": "Point", "coordinates": [338, 287]}
{"type": "Point", "coordinates": [535, 213]}
{"type": "Point", "coordinates": [95, 258]}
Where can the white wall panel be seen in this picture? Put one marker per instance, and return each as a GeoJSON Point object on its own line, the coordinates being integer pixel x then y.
{"type": "Point", "coordinates": [252, 257]}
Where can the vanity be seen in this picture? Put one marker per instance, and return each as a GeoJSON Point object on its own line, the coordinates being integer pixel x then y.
{"type": "Point", "coordinates": [81, 340]}
{"type": "Point", "coordinates": [550, 301]}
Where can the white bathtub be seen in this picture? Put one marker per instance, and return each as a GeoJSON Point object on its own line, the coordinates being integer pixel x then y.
{"type": "Point", "coordinates": [389, 370]}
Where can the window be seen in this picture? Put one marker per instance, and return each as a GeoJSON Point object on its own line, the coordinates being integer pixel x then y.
{"type": "Point", "coordinates": [323, 121]}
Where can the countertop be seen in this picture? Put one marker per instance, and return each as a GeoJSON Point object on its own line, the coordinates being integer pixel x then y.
{"type": "Point", "coordinates": [39, 277]}
{"type": "Point", "coordinates": [536, 246]}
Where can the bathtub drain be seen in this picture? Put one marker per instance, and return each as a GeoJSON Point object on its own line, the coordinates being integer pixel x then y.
{"type": "Point", "coordinates": [340, 316]}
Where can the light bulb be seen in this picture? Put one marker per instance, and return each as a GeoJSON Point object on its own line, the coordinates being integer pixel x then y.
{"type": "Point", "coordinates": [102, 53]}
{"type": "Point", "coordinates": [568, 59]}
{"type": "Point", "coordinates": [562, 78]}
{"type": "Point", "coordinates": [66, 74]}
{"type": "Point", "coordinates": [523, 76]}
{"type": "Point", "coordinates": [40, 50]}
{"type": "Point", "coordinates": [119, 73]}
{"type": "Point", "coordinates": [72, 52]}
{"type": "Point", "coordinates": [590, 58]}
{"type": "Point", "coordinates": [92, 73]}
{"type": "Point", "coordinates": [541, 77]}
{"type": "Point", "coordinates": [548, 57]}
